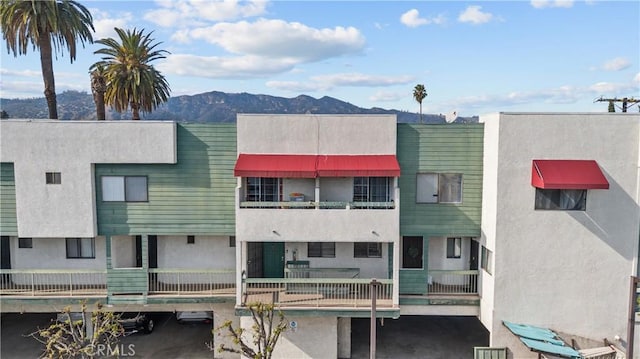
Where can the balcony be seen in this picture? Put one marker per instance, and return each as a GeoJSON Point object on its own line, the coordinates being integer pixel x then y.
{"type": "Point", "coordinates": [453, 282]}
{"type": "Point", "coordinates": [89, 283]}
{"type": "Point", "coordinates": [329, 293]}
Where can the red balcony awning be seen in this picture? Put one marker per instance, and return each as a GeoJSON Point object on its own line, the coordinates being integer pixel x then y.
{"type": "Point", "coordinates": [312, 166]}
{"type": "Point", "coordinates": [283, 166]}
{"type": "Point", "coordinates": [358, 166]}
{"type": "Point", "coordinates": [567, 174]}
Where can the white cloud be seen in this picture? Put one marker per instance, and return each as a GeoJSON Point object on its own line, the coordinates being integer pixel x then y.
{"type": "Point", "coordinates": [200, 12]}
{"type": "Point", "coordinates": [104, 23]}
{"type": "Point", "coordinates": [384, 96]}
{"type": "Point", "coordinates": [20, 73]}
{"type": "Point", "coordinates": [540, 4]}
{"type": "Point", "coordinates": [617, 64]}
{"type": "Point", "coordinates": [412, 18]}
{"type": "Point", "coordinates": [473, 14]}
{"type": "Point", "coordinates": [328, 82]}
{"type": "Point", "coordinates": [637, 78]}
{"type": "Point", "coordinates": [223, 67]}
{"type": "Point", "coordinates": [279, 39]}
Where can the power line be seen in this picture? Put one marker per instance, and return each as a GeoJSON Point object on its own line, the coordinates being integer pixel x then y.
{"type": "Point", "coordinates": [626, 102]}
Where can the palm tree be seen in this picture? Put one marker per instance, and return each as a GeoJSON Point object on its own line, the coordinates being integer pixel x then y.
{"type": "Point", "coordinates": [98, 88]}
{"type": "Point", "coordinates": [48, 25]}
{"type": "Point", "coordinates": [131, 79]}
{"type": "Point", "coordinates": [419, 93]}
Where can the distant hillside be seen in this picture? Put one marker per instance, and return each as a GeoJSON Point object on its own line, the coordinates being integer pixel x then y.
{"type": "Point", "coordinates": [206, 107]}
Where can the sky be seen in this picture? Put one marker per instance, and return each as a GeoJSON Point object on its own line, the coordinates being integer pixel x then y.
{"type": "Point", "coordinates": [473, 57]}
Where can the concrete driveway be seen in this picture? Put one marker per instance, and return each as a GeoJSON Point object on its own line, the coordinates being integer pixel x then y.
{"type": "Point", "coordinates": [413, 337]}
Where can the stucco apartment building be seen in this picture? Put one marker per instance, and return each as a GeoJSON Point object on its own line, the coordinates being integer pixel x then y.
{"type": "Point", "coordinates": [521, 218]}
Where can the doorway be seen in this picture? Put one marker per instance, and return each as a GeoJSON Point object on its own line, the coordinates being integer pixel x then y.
{"type": "Point", "coordinates": [152, 251]}
{"type": "Point", "coordinates": [265, 260]}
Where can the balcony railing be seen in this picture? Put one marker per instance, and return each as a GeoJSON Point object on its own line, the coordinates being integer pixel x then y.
{"type": "Point", "coordinates": [317, 292]}
{"type": "Point", "coordinates": [453, 281]}
{"type": "Point", "coordinates": [52, 282]}
{"type": "Point", "coordinates": [321, 272]}
{"type": "Point", "coordinates": [319, 205]}
{"type": "Point", "coordinates": [192, 282]}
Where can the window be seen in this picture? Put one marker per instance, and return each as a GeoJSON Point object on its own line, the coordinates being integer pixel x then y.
{"type": "Point", "coordinates": [53, 177]}
{"type": "Point", "coordinates": [263, 189]}
{"type": "Point", "coordinates": [561, 199]}
{"type": "Point", "coordinates": [232, 241]}
{"type": "Point", "coordinates": [124, 189]}
{"type": "Point", "coordinates": [25, 243]}
{"type": "Point", "coordinates": [439, 188]}
{"type": "Point", "coordinates": [191, 239]}
{"type": "Point", "coordinates": [367, 250]}
{"type": "Point", "coordinates": [486, 260]}
{"type": "Point", "coordinates": [371, 189]}
{"type": "Point", "coordinates": [454, 247]}
{"type": "Point", "coordinates": [412, 252]}
{"type": "Point", "coordinates": [81, 248]}
{"type": "Point", "coordinates": [321, 249]}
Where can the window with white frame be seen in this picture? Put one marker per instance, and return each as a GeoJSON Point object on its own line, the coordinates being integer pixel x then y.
{"type": "Point", "coordinates": [81, 248]}
{"type": "Point", "coordinates": [561, 199]}
{"type": "Point", "coordinates": [124, 189]}
{"type": "Point", "coordinates": [486, 260]}
{"type": "Point", "coordinates": [53, 177]}
{"type": "Point", "coordinates": [439, 188]}
{"type": "Point", "coordinates": [371, 189]}
{"type": "Point", "coordinates": [321, 249]}
{"type": "Point", "coordinates": [263, 189]}
{"type": "Point", "coordinates": [367, 250]}
{"type": "Point", "coordinates": [454, 247]}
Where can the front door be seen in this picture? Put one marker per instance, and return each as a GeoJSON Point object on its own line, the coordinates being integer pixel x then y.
{"type": "Point", "coordinates": [273, 259]}
{"type": "Point", "coordinates": [473, 255]}
{"type": "Point", "coordinates": [254, 259]}
{"type": "Point", "coordinates": [152, 251]}
{"type": "Point", "coordinates": [5, 253]}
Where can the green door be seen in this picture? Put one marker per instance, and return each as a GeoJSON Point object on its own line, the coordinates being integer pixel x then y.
{"type": "Point", "coordinates": [273, 259]}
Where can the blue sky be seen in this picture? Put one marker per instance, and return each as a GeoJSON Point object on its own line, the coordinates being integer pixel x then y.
{"type": "Point", "coordinates": [472, 57]}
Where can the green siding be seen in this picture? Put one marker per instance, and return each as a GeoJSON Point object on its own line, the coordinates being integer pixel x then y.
{"type": "Point", "coordinates": [194, 196]}
{"type": "Point", "coordinates": [8, 222]}
{"type": "Point", "coordinates": [451, 148]}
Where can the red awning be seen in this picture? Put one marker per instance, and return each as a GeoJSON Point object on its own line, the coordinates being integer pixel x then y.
{"type": "Point", "coordinates": [567, 174]}
{"type": "Point", "coordinates": [358, 166]}
{"type": "Point", "coordinates": [312, 166]}
{"type": "Point", "coordinates": [283, 166]}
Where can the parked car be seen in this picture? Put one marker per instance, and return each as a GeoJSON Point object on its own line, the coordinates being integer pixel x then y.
{"type": "Point", "coordinates": [136, 322]}
{"type": "Point", "coordinates": [195, 317]}
{"type": "Point", "coordinates": [131, 322]}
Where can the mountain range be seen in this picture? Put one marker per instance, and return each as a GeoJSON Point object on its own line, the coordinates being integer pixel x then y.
{"type": "Point", "coordinates": [211, 106]}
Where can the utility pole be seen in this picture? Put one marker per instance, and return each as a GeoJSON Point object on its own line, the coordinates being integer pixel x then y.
{"type": "Point", "coordinates": [372, 340]}
{"type": "Point", "coordinates": [626, 102]}
{"type": "Point", "coordinates": [631, 325]}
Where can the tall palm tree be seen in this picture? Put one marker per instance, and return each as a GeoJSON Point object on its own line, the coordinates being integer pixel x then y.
{"type": "Point", "coordinates": [98, 89]}
{"type": "Point", "coordinates": [419, 93]}
{"type": "Point", "coordinates": [131, 79]}
{"type": "Point", "coordinates": [48, 25]}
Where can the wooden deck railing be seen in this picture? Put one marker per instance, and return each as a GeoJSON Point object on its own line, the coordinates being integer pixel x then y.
{"type": "Point", "coordinates": [192, 281]}
{"type": "Point", "coordinates": [317, 292]}
{"type": "Point", "coordinates": [53, 282]}
{"type": "Point", "coordinates": [453, 282]}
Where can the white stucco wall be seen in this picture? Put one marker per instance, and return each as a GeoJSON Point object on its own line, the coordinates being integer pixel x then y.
{"type": "Point", "coordinates": [438, 254]}
{"type": "Point", "coordinates": [208, 252]}
{"type": "Point", "coordinates": [71, 148]}
{"type": "Point", "coordinates": [369, 267]}
{"type": "Point", "coordinates": [315, 337]}
{"type": "Point", "coordinates": [566, 270]}
{"type": "Point", "coordinates": [123, 251]}
{"type": "Point", "coordinates": [51, 253]}
{"type": "Point", "coordinates": [316, 134]}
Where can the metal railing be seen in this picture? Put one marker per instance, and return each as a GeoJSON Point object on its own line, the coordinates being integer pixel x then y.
{"type": "Point", "coordinates": [319, 205]}
{"type": "Point", "coordinates": [316, 292]}
{"type": "Point", "coordinates": [453, 281]}
{"type": "Point", "coordinates": [53, 282]}
{"type": "Point", "coordinates": [192, 281]}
